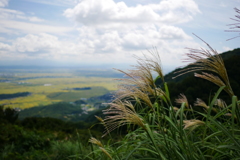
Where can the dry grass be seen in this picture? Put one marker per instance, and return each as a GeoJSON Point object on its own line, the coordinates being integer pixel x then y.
{"type": "Point", "coordinates": [182, 99]}
{"type": "Point", "coordinates": [121, 113]}
{"type": "Point", "coordinates": [95, 141]}
{"type": "Point", "coordinates": [236, 25]}
{"type": "Point", "coordinates": [207, 60]}
{"type": "Point", "coordinates": [101, 147]}
{"type": "Point", "coordinates": [138, 84]}
{"type": "Point", "coordinates": [192, 124]}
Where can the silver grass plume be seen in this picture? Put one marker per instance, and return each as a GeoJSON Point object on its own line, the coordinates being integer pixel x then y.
{"type": "Point", "coordinates": [207, 60]}
{"type": "Point", "coordinates": [138, 84]}
{"type": "Point", "coordinates": [121, 113]}
{"type": "Point", "coordinates": [236, 25]}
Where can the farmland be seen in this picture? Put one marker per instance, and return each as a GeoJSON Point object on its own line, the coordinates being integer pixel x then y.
{"type": "Point", "coordinates": [49, 85]}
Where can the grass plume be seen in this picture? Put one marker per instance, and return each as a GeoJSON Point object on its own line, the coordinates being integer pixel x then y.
{"type": "Point", "coordinates": [235, 26]}
{"type": "Point", "coordinates": [207, 60]}
{"type": "Point", "coordinates": [121, 113]}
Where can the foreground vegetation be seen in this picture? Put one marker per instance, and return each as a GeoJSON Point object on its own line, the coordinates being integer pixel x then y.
{"type": "Point", "coordinates": [42, 138]}
{"type": "Point", "coordinates": [166, 131]}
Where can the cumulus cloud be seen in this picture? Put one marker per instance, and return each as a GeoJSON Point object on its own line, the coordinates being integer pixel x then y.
{"type": "Point", "coordinates": [35, 43]}
{"type": "Point", "coordinates": [44, 44]}
{"type": "Point", "coordinates": [108, 26]}
{"type": "Point", "coordinates": [4, 47]}
{"type": "Point", "coordinates": [3, 3]}
{"type": "Point", "coordinates": [91, 12]}
{"type": "Point", "coordinates": [117, 41]}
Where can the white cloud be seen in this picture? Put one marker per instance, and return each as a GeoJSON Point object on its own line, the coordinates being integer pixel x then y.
{"type": "Point", "coordinates": [4, 47]}
{"type": "Point", "coordinates": [17, 22]}
{"type": "Point", "coordinates": [35, 19]}
{"type": "Point", "coordinates": [92, 12]}
{"type": "Point", "coordinates": [35, 43]}
{"type": "Point", "coordinates": [109, 32]}
{"type": "Point", "coordinates": [3, 3]}
{"type": "Point", "coordinates": [55, 2]}
{"type": "Point", "coordinates": [7, 14]}
{"type": "Point", "coordinates": [129, 40]}
{"type": "Point", "coordinates": [13, 27]}
{"type": "Point", "coordinates": [105, 49]}
{"type": "Point", "coordinates": [43, 44]}
{"type": "Point", "coordinates": [110, 27]}
{"type": "Point", "coordinates": [225, 48]}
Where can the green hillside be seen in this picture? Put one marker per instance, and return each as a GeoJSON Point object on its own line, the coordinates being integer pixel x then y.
{"type": "Point", "coordinates": [63, 110]}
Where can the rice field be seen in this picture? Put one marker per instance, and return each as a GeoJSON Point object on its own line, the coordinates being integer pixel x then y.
{"type": "Point", "coordinates": [47, 88]}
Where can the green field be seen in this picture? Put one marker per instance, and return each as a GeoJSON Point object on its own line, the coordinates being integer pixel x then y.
{"type": "Point", "coordinates": [75, 95]}
{"type": "Point", "coordinates": [49, 86]}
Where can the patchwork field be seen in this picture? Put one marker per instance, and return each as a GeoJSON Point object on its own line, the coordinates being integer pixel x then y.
{"type": "Point", "coordinates": [53, 85]}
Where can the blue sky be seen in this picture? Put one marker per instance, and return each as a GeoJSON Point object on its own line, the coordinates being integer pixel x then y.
{"type": "Point", "coordinates": [110, 32]}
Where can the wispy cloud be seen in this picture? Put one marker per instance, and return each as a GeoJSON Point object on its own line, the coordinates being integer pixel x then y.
{"type": "Point", "coordinates": [3, 3]}
{"type": "Point", "coordinates": [13, 27]}
{"type": "Point", "coordinates": [55, 2]}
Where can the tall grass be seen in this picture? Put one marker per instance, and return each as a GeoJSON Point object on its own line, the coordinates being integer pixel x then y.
{"type": "Point", "coordinates": [159, 130]}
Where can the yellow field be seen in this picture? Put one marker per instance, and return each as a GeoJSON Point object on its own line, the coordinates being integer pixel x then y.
{"type": "Point", "coordinates": [42, 87]}
{"type": "Point", "coordinates": [28, 102]}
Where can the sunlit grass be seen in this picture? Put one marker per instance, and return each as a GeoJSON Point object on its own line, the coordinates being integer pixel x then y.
{"type": "Point", "coordinates": [28, 102]}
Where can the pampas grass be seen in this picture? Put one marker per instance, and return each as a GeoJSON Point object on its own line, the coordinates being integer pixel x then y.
{"type": "Point", "coordinates": [207, 60]}
{"type": "Point", "coordinates": [235, 26]}
{"type": "Point", "coordinates": [163, 131]}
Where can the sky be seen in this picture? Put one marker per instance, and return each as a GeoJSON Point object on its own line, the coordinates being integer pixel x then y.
{"type": "Point", "coordinates": [108, 33]}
